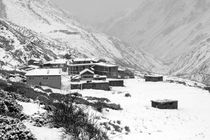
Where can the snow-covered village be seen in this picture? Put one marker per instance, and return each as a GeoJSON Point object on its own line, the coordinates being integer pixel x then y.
{"type": "Point", "coordinates": [104, 70]}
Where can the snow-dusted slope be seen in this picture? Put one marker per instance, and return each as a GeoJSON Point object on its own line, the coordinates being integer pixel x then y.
{"type": "Point", "coordinates": [18, 44]}
{"type": "Point", "coordinates": [60, 29]}
{"type": "Point", "coordinates": [169, 29]}
{"type": "Point", "coordinates": [194, 64]}
{"type": "Point", "coordinates": [165, 28]}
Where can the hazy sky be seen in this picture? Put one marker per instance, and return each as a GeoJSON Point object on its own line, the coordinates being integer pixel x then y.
{"type": "Point", "coordinates": [95, 10]}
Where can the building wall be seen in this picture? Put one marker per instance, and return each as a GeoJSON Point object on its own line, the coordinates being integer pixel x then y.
{"type": "Point", "coordinates": [153, 79]}
{"type": "Point", "coordinates": [125, 74]}
{"type": "Point", "coordinates": [77, 69]}
{"type": "Point", "coordinates": [81, 62]}
{"type": "Point", "coordinates": [166, 105]}
{"type": "Point", "coordinates": [98, 86]}
{"type": "Point", "coordinates": [62, 66]}
{"type": "Point", "coordinates": [87, 76]}
{"type": "Point", "coordinates": [110, 72]}
{"type": "Point", "coordinates": [116, 83]}
{"type": "Point", "coordinates": [51, 81]}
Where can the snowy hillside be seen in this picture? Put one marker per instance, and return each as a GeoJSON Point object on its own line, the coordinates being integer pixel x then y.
{"type": "Point", "coordinates": [18, 44]}
{"type": "Point", "coordinates": [60, 29]}
{"type": "Point", "coordinates": [194, 64]}
{"type": "Point", "coordinates": [167, 29]}
{"type": "Point", "coordinates": [138, 120]}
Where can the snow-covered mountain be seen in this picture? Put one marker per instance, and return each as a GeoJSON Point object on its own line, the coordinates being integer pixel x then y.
{"type": "Point", "coordinates": [194, 64]}
{"type": "Point", "coordinates": [167, 29]}
{"type": "Point", "coordinates": [61, 33]}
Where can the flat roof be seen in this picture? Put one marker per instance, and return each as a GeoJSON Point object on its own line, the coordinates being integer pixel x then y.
{"type": "Point", "coordinates": [57, 61]}
{"type": "Point", "coordinates": [153, 75]}
{"type": "Point", "coordinates": [105, 64]}
{"type": "Point", "coordinates": [35, 59]}
{"type": "Point", "coordinates": [44, 72]}
{"type": "Point", "coordinates": [85, 64]}
{"type": "Point", "coordinates": [84, 59]}
{"type": "Point", "coordinates": [164, 100]}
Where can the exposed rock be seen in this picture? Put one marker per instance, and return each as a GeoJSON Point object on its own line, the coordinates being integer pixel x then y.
{"type": "Point", "coordinates": [11, 129]}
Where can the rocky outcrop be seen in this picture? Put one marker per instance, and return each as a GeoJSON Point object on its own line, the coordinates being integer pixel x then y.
{"type": "Point", "coordinates": [9, 107]}
{"type": "Point", "coordinates": [14, 129]}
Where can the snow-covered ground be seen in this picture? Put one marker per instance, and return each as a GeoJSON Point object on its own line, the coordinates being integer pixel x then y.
{"type": "Point", "coordinates": [41, 133]}
{"type": "Point", "coordinates": [46, 133]}
{"type": "Point", "coordinates": [190, 122]}
{"type": "Point", "coordinates": [31, 108]}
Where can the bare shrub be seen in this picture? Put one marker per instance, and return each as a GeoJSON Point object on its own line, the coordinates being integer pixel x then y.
{"type": "Point", "coordinates": [76, 122]}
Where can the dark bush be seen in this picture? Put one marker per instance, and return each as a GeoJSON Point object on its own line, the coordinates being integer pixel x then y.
{"type": "Point", "coordinates": [74, 94]}
{"type": "Point", "coordinates": [9, 107]}
{"type": "Point", "coordinates": [116, 127]}
{"type": "Point", "coordinates": [8, 73]}
{"type": "Point", "coordinates": [3, 84]}
{"type": "Point", "coordinates": [98, 99]}
{"type": "Point", "coordinates": [76, 122]}
{"type": "Point", "coordinates": [56, 96]}
{"type": "Point", "coordinates": [48, 90]}
{"type": "Point", "coordinates": [127, 129]}
{"type": "Point", "coordinates": [100, 105]}
{"type": "Point", "coordinates": [43, 99]}
{"type": "Point", "coordinates": [127, 95]}
{"type": "Point", "coordinates": [27, 91]}
{"type": "Point", "coordinates": [23, 92]}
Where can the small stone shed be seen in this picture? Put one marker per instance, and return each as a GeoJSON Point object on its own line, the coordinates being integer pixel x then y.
{"type": "Point", "coordinates": [153, 78]}
{"type": "Point", "coordinates": [165, 104]}
{"type": "Point", "coordinates": [91, 85]}
{"type": "Point", "coordinates": [118, 83]}
{"type": "Point", "coordinates": [44, 77]}
{"type": "Point", "coordinates": [207, 88]}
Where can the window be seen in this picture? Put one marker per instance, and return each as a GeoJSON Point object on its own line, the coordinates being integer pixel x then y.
{"type": "Point", "coordinates": [45, 78]}
{"type": "Point", "coordinates": [31, 78]}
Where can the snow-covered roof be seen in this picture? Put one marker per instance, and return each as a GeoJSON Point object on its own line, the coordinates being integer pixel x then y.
{"type": "Point", "coordinates": [105, 64]}
{"type": "Point", "coordinates": [121, 69]}
{"type": "Point", "coordinates": [153, 75]}
{"type": "Point", "coordinates": [164, 100]}
{"type": "Point", "coordinates": [84, 64]}
{"type": "Point", "coordinates": [83, 59]}
{"type": "Point", "coordinates": [100, 76]}
{"type": "Point", "coordinates": [57, 61]}
{"type": "Point", "coordinates": [44, 72]}
{"type": "Point", "coordinates": [35, 59]}
{"type": "Point", "coordinates": [86, 70]}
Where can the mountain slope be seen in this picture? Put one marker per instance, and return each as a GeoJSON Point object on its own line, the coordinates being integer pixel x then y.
{"type": "Point", "coordinates": [194, 64]}
{"type": "Point", "coordinates": [17, 47]}
{"type": "Point", "coordinates": [64, 33]}
{"type": "Point", "coordinates": [164, 28]}
{"type": "Point", "coordinates": [171, 31]}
